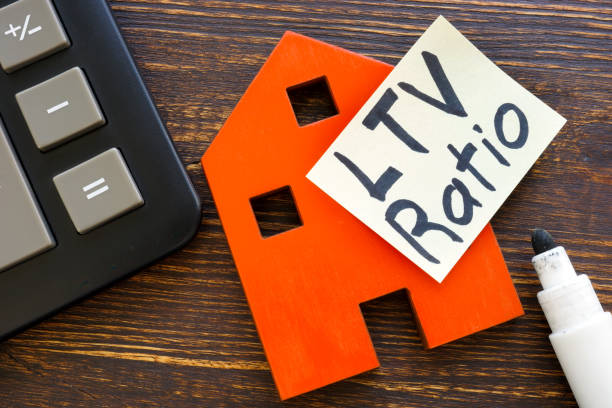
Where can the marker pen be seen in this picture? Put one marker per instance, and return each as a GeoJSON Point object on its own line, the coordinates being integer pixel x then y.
{"type": "Point", "coordinates": [581, 330]}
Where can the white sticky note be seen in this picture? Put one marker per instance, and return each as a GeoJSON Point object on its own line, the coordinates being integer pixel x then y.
{"type": "Point", "coordinates": [437, 149]}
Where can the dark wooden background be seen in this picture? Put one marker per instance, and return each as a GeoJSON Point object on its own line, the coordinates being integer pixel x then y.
{"type": "Point", "coordinates": [179, 333]}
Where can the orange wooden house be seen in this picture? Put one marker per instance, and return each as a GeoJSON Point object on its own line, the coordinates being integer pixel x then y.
{"type": "Point", "coordinates": [305, 285]}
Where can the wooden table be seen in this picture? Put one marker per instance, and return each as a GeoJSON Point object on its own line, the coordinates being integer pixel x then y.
{"type": "Point", "coordinates": [180, 333]}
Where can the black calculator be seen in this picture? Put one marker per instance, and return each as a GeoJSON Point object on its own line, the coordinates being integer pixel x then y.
{"type": "Point", "coordinates": [91, 187]}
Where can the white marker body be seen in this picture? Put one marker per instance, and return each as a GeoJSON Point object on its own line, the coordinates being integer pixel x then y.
{"type": "Point", "coordinates": [581, 330]}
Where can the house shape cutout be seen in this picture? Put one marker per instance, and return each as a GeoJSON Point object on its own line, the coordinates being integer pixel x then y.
{"type": "Point", "coordinates": [305, 285]}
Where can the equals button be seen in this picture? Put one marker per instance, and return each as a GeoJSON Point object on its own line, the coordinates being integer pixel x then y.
{"type": "Point", "coordinates": [91, 201]}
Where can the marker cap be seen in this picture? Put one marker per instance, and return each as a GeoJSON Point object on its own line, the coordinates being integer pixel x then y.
{"type": "Point", "coordinates": [570, 304]}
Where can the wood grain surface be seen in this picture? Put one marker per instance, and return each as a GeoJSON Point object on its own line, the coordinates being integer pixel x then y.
{"type": "Point", "coordinates": [180, 334]}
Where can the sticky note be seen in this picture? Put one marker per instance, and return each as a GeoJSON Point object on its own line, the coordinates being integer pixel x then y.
{"type": "Point", "coordinates": [437, 149]}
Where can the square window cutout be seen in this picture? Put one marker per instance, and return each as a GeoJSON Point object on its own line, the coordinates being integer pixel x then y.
{"type": "Point", "coordinates": [312, 101]}
{"type": "Point", "coordinates": [276, 212]}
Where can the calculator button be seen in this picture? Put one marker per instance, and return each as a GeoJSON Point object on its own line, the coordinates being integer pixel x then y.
{"type": "Point", "coordinates": [29, 30]}
{"type": "Point", "coordinates": [97, 191]}
{"type": "Point", "coordinates": [23, 231]}
{"type": "Point", "coordinates": [60, 109]}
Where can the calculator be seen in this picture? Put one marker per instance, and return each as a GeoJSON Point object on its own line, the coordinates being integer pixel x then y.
{"type": "Point", "coordinates": [91, 187]}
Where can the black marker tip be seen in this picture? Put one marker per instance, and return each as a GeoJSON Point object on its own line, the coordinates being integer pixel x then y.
{"type": "Point", "coordinates": [542, 241]}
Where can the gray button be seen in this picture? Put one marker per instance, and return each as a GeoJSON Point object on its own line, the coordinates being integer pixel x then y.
{"type": "Point", "coordinates": [23, 231]}
{"type": "Point", "coordinates": [60, 109]}
{"type": "Point", "coordinates": [97, 191]}
{"type": "Point", "coordinates": [29, 31]}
